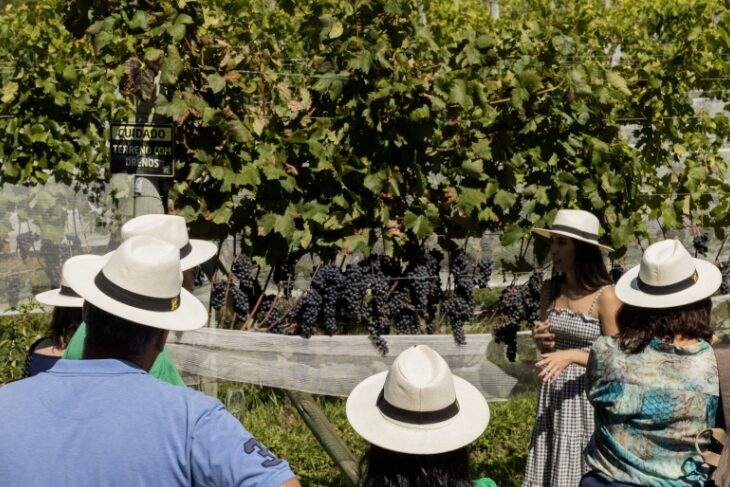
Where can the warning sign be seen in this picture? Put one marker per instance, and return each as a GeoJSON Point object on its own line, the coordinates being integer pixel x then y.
{"type": "Point", "coordinates": [142, 148]}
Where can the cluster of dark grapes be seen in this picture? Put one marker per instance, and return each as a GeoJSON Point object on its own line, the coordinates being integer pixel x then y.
{"type": "Point", "coordinates": [53, 259]}
{"type": "Point", "coordinates": [218, 294]}
{"type": "Point", "coordinates": [352, 290]}
{"type": "Point", "coordinates": [511, 305]}
{"type": "Point", "coordinates": [460, 307]}
{"type": "Point", "coordinates": [25, 243]}
{"type": "Point", "coordinates": [373, 316]}
{"type": "Point", "coordinates": [485, 266]}
{"type": "Point", "coordinates": [246, 294]}
{"type": "Point", "coordinates": [308, 312]}
{"type": "Point", "coordinates": [725, 283]}
{"type": "Point", "coordinates": [531, 297]}
{"type": "Point", "coordinates": [617, 270]}
{"type": "Point", "coordinates": [327, 282]}
{"type": "Point", "coordinates": [240, 303]}
{"type": "Point", "coordinates": [700, 244]}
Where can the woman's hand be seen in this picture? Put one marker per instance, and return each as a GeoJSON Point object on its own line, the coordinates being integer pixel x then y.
{"type": "Point", "coordinates": [544, 340]}
{"type": "Point", "coordinates": [553, 364]}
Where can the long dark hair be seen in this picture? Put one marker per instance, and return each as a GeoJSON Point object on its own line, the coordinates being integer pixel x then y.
{"type": "Point", "coordinates": [637, 326]}
{"type": "Point", "coordinates": [386, 468]}
{"type": "Point", "coordinates": [64, 322]}
{"type": "Point", "coordinates": [590, 270]}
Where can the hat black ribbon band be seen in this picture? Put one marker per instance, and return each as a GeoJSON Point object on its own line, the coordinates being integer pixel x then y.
{"type": "Point", "coordinates": [416, 417]}
{"type": "Point", "coordinates": [67, 291]}
{"type": "Point", "coordinates": [185, 250]}
{"type": "Point", "coordinates": [668, 289]}
{"type": "Point", "coordinates": [133, 299]}
{"type": "Point", "coordinates": [575, 231]}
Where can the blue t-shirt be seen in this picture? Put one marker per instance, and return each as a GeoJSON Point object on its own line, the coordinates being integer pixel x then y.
{"type": "Point", "coordinates": [109, 423]}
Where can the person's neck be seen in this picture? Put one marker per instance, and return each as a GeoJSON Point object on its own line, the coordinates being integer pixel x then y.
{"type": "Point", "coordinates": [682, 341]}
{"type": "Point", "coordinates": [570, 283]}
{"type": "Point", "coordinates": [94, 354]}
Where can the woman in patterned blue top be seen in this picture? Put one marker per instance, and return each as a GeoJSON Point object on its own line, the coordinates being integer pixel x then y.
{"type": "Point", "coordinates": [655, 385]}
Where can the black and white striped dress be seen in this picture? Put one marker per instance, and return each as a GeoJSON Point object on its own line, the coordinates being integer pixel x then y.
{"type": "Point", "coordinates": [564, 421]}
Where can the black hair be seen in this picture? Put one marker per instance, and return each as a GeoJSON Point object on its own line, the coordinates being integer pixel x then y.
{"type": "Point", "coordinates": [386, 468]}
{"type": "Point", "coordinates": [64, 321]}
{"type": "Point", "coordinates": [589, 267]}
{"type": "Point", "coordinates": [637, 326]}
{"type": "Point", "coordinates": [115, 335]}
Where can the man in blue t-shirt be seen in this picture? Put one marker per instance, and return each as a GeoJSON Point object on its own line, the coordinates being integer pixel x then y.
{"type": "Point", "coordinates": [104, 420]}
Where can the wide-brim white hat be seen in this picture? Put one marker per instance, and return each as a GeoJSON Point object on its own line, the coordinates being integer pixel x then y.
{"type": "Point", "coordinates": [576, 224]}
{"type": "Point", "coordinates": [141, 281]}
{"type": "Point", "coordinates": [418, 407]}
{"type": "Point", "coordinates": [668, 276]}
{"type": "Point", "coordinates": [173, 230]}
{"type": "Point", "coordinates": [63, 296]}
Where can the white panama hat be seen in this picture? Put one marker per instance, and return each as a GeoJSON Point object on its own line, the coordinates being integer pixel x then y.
{"type": "Point", "coordinates": [577, 224]}
{"type": "Point", "coordinates": [63, 296]}
{"type": "Point", "coordinates": [418, 406]}
{"type": "Point", "coordinates": [173, 230]}
{"type": "Point", "coordinates": [141, 281]}
{"type": "Point", "coordinates": [668, 276]}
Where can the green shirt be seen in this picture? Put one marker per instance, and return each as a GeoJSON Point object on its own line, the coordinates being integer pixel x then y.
{"type": "Point", "coordinates": [485, 482]}
{"type": "Point", "coordinates": [163, 368]}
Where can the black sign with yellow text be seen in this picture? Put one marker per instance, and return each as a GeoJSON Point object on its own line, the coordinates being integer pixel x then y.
{"type": "Point", "coordinates": [142, 148]}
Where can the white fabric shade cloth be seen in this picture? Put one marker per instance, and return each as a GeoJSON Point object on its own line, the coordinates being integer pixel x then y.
{"type": "Point", "coordinates": [327, 365]}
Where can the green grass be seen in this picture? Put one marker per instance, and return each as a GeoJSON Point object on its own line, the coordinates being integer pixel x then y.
{"type": "Point", "coordinates": [500, 453]}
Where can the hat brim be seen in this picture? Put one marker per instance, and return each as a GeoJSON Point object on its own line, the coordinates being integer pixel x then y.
{"type": "Point", "coordinates": [708, 281]}
{"type": "Point", "coordinates": [80, 272]}
{"type": "Point", "coordinates": [55, 298]}
{"type": "Point", "coordinates": [202, 251]}
{"type": "Point", "coordinates": [367, 420]}
{"type": "Point", "coordinates": [547, 233]}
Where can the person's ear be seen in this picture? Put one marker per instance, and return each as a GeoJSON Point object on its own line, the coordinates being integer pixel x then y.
{"type": "Point", "coordinates": [161, 340]}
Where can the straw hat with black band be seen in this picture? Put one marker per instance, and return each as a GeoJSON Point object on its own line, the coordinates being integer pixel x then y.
{"type": "Point", "coordinates": [667, 277]}
{"type": "Point", "coordinates": [173, 230]}
{"type": "Point", "coordinates": [63, 296]}
{"type": "Point", "coordinates": [576, 224]}
{"type": "Point", "coordinates": [418, 406]}
{"type": "Point", "coordinates": [141, 281]}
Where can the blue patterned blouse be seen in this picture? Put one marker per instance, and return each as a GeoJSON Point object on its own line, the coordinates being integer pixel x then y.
{"type": "Point", "coordinates": [649, 408]}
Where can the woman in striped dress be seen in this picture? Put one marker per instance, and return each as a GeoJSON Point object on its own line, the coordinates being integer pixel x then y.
{"type": "Point", "coordinates": [578, 305]}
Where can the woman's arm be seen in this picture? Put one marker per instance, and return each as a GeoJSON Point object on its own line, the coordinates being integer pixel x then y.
{"type": "Point", "coordinates": [554, 363]}
{"type": "Point", "coordinates": [608, 305]}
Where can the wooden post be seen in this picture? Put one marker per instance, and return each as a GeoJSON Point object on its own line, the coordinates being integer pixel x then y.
{"type": "Point", "coordinates": [325, 433]}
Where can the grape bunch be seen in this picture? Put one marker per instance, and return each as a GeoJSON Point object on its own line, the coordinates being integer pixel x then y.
{"type": "Point", "coordinates": [218, 294]}
{"type": "Point", "coordinates": [240, 303]}
{"type": "Point", "coordinates": [511, 305]}
{"type": "Point", "coordinates": [13, 291]}
{"type": "Point", "coordinates": [484, 267]}
{"type": "Point", "coordinates": [353, 288]}
{"type": "Point", "coordinates": [700, 244]}
{"type": "Point", "coordinates": [25, 243]}
{"type": "Point", "coordinates": [373, 316]}
{"type": "Point", "coordinates": [327, 282]}
{"type": "Point", "coordinates": [725, 283]}
{"type": "Point", "coordinates": [400, 310]}
{"type": "Point", "coordinates": [242, 268]}
{"type": "Point", "coordinates": [308, 312]}
{"type": "Point", "coordinates": [74, 243]}
{"type": "Point", "coordinates": [616, 271]}
{"type": "Point", "coordinates": [531, 296]}
{"type": "Point", "coordinates": [460, 313]}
